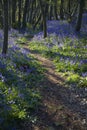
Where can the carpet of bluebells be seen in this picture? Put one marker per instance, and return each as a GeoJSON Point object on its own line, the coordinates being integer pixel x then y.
{"type": "Point", "coordinates": [19, 77]}
{"type": "Point", "coordinates": [69, 56]}
{"type": "Point", "coordinates": [67, 48]}
{"type": "Point", "coordinates": [20, 73]}
{"type": "Point", "coordinates": [68, 51]}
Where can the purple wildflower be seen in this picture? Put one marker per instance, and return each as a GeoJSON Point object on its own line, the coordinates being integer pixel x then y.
{"type": "Point", "coordinates": [83, 61]}
{"type": "Point", "coordinates": [21, 95]}
{"type": "Point", "coordinates": [84, 74]}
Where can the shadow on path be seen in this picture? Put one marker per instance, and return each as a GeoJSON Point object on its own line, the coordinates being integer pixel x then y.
{"type": "Point", "coordinates": [61, 108]}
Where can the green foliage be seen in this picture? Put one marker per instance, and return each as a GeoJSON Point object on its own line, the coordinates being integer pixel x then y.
{"type": "Point", "coordinates": [83, 82]}
{"type": "Point", "coordinates": [19, 83]}
{"type": "Point", "coordinates": [15, 25]}
{"type": "Point", "coordinates": [73, 78]}
{"type": "Point", "coordinates": [69, 55]}
{"type": "Point", "coordinates": [21, 40]}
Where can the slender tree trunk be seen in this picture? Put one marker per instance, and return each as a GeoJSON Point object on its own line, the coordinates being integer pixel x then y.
{"type": "Point", "coordinates": [55, 10]}
{"type": "Point", "coordinates": [44, 26]}
{"type": "Point", "coordinates": [31, 11]}
{"type": "Point", "coordinates": [5, 43]}
{"type": "Point", "coordinates": [69, 6]}
{"type": "Point", "coordinates": [50, 10]}
{"type": "Point", "coordinates": [37, 21]}
{"type": "Point", "coordinates": [61, 10]}
{"type": "Point", "coordinates": [79, 19]}
{"type": "Point", "coordinates": [13, 12]}
{"type": "Point", "coordinates": [44, 18]}
{"type": "Point", "coordinates": [19, 14]}
{"type": "Point", "coordinates": [25, 13]}
{"type": "Point", "coordinates": [10, 13]}
{"type": "Point", "coordinates": [1, 14]}
{"type": "Point", "coordinates": [69, 10]}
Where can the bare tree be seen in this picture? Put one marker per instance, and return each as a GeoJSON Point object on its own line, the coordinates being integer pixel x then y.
{"type": "Point", "coordinates": [79, 19]}
{"type": "Point", "coordinates": [43, 4]}
{"type": "Point", "coordinates": [5, 43]}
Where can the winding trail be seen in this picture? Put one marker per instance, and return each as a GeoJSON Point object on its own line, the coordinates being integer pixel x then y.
{"type": "Point", "coordinates": [59, 110]}
{"type": "Point", "coordinates": [61, 107]}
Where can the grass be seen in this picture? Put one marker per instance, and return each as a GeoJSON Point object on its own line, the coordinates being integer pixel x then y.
{"type": "Point", "coordinates": [20, 74]}
{"type": "Point", "coordinates": [69, 56]}
{"type": "Point", "coordinates": [19, 88]}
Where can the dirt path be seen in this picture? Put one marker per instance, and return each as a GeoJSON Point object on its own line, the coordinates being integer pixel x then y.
{"type": "Point", "coordinates": [59, 110]}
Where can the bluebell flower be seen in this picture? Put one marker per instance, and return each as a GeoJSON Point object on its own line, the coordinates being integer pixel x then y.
{"type": "Point", "coordinates": [84, 61]}
{"type": "Point", "coordinates": [2, 78]}
{"type": "Point", "coordinates": [72, 62]}
{"type": "Point", "coordinates": [1, 36]}
{"type": "Point", "coordinates": [21, 95]}
{"type": "Point", "coordinates": [84, 74]}
{"type": "Point", "coordinates": [21, 68]}
{"type": "Point", "coordinates": [9, 90]}
{"type": "Point", "coordinates": [11, 41]}
{"type": "Point", "coordinates": [2, 66]}
{"type": "Point", "coordinates": [25, 51]}
{"type": "Point", "coordinates": [15, 48]}
{"type": "Point", "coordinates": [11, 102]}
{"type": "Point", "coordinates": [7, 108]}
{"type": "Point", "coordinates": [29, 70]}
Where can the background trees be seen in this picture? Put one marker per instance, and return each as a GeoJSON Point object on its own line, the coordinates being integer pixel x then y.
{"type": "Point", "coordinates": [22, 69]}
{"type": "Point", "coordinates": [20, 14]}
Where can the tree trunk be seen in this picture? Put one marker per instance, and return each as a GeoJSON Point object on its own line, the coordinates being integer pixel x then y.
{"type": "Point", "coordinates": [5, 43]}
{"type": "Point", "coordinates": [1, 14]}
{"type": "Point", "coordinates": [10, 13]}
{"type": "Point", "coordinates": [31, 11]}
{"type": "Point", "coordinates": [13, 12]}
{"type": "Point", "coordinates": [44, 18]}
{"type": "Point", "coordinates": [55, 10]}
{"type": "Point", "coordinates": [50, 10]}
{"type": "Point", "coordinates": [79, 19]}
{"type": "Point", "coordinates": [19, 14]}
{"type": "Point", "coordinates": [25, 14]}
{"type": "Point", "coordinates": [69, 6]}
{"type": "Point", "coordinates": [61, 10]}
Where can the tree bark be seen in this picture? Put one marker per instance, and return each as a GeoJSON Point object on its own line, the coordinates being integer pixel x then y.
{"type": "Point", "coordinates": [79, 19]}
{"type": "Point", "coordinates": [1, 14]}
{"type": "Point", "coordinates": [61, 10]}
{"type": "Point", "coordinates": [19, 14]}
{"type": "Point", "coordinates": [44, 18]}
{"type": "Point", "coordinates": [25, 14]}
{"type": "Point", "coordinates": [10, 13]}
{"type": "Point", "coordinates": [55, 10]}
{"type": "Point", "coordinates": [13, 12]}
{"type": "Point", "coordinates": [5, 43]}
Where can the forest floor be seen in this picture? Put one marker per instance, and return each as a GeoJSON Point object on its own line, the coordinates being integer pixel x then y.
{"type": "Point", "coordinates": [62, 107]}
{"type": "Point", "coordinates": [60, 110]}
